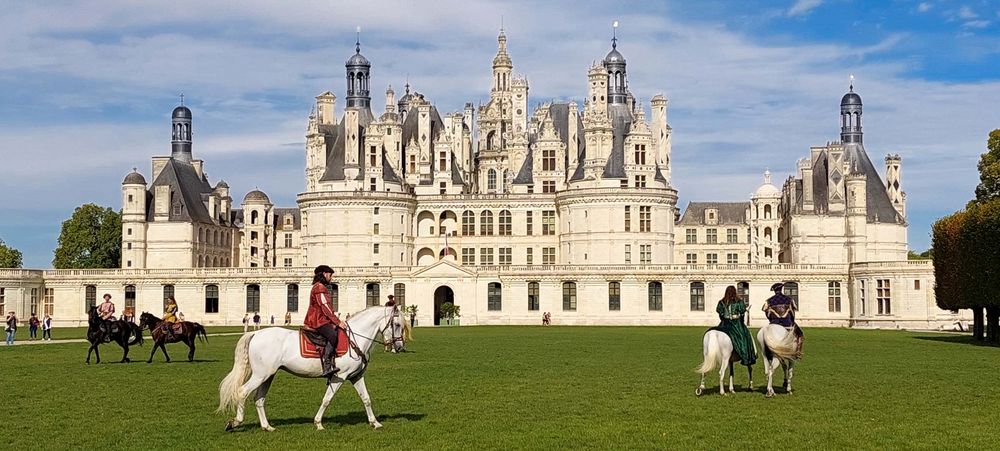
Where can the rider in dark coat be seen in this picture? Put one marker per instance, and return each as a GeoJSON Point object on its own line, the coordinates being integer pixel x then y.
{"type": "Point", "coordinates": [320, 317]}
{"type": "Point", "coordinates": [780, 309]}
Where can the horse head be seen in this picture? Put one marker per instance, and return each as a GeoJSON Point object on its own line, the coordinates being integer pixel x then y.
{"type": "Point", "coordinates": [147, 319]}
{"type": "Point", "coordinates": [396, 332]}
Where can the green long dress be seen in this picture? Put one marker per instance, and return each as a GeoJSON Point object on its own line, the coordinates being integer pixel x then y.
{"type": "Point", "coordinates": [732, 324]}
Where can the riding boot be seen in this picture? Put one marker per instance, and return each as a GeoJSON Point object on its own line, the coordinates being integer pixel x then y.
{"type": "Point", "coordinates": [329, 359]}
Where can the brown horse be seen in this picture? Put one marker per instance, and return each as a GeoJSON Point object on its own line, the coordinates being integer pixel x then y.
{"type": "Point", "coordinates": [183, 332]}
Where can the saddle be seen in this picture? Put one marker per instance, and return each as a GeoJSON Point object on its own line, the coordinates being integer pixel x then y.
{"type": "Point", "coordinates": [177, 328]}
{"type": "Point", "coordinates": [312, 344]}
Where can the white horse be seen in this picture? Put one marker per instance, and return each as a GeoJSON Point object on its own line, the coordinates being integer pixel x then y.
{"type": "Point", "coordinates": [260, 354]}
{"type": "Point", "coordinates": [778, 344]}
{"type": "Point", "coordinates": [718, 350]}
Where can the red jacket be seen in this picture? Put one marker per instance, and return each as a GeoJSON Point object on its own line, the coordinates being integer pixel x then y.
{"type": "Point", "coordinates": [320, 313]}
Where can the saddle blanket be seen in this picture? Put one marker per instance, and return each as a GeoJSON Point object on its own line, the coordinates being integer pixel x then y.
{"type": "Point", "coordinates": [309, 350]}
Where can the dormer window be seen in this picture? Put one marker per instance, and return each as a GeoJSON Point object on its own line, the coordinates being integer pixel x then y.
{"type": "Point", "coordinates": [711, 216]}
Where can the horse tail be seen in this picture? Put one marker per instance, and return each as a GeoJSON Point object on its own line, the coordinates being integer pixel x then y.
{"type": "Point", "coordinates": [711, 353]}
{"type": "Point", "coordinates": [783, 347]}
{"type": "Point", "coordinates": [407, 331]}
{"type": "Point", "coordinates": [136, 332]}
{"type": "Point", "coordinates": [232, 385]}
{"type": "Point", "coordinates": [199, 331]}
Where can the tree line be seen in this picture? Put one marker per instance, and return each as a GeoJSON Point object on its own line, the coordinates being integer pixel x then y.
{"type": "Point", "coordinates": [90, 238]}
{"type": "Point", "coordinates": [967, 249]}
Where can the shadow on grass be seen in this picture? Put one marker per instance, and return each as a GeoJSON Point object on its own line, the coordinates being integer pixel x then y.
{"type": "Point", "coordinates": [958, 339]}
{"type": "Point", "coordinates": [172, 361]}
{"type": "Point", "coordinates": [352, 418]}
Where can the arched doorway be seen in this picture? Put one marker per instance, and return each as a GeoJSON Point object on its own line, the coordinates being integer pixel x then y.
{"type": "Point", "coordinates": [441, 295]}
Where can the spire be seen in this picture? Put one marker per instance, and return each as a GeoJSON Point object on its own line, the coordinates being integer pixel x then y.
{"type": "Point", "coordinates": [502, 59]}
{"type": "Point", "coordinates": [614, 62]}
{"type": "Point", "coordinates": [357, 42]}
{"type": "Point", "coordinates": [614, 35]}
{"type": "Point", "coordinates": [767, 176]}
{"type": "Point", "coordinates": [358, 76]}
{"type": "Point", "coordinates": [850, 116]}
{"type": "Point", "coordinates": [851, 89]}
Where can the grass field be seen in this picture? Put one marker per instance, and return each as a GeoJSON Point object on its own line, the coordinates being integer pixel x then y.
{"type": "Point", "coordinates": [523, 387]}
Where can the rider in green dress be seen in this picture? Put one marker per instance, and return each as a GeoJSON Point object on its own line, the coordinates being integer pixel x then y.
{"type": "Point", "coordinates": [731, 310]}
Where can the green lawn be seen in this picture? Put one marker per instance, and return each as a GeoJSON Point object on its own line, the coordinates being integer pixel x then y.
{"type": "Point", "coordinates": [523, 387]}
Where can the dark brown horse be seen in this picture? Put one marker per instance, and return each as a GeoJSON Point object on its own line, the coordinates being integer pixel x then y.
{"type": "Point", "coordinates": [183, 332]}
{"type": "Point", "coordinates": [125, 333]}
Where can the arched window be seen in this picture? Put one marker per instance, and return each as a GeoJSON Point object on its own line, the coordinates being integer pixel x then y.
{"type": "Point", "coordinates": [215, 238]}
{"type": "Point", "coordinates": [697, 296]}
{"type": "Point", "coordinates": [767, 233]}
{"type": "Point", "coordinates": [371, 294]}
{"type": "Point", "coordinates": [491, 180]}
{"type": "Point", "coordinates": [399, 291]}
{"type": "Point", "coordinates": [767, 212]}
{"type": "Point", "coordinates": [168, 293]}
{"type": "Point", "coordinates": [533, 296]}
{"type": "Point", "coordinates": [494, 296]}
{"type": "Point", "coordinates": [211, 299]}
{"type": "Point", "coordinates": [292, 304]}
{"type": "Point", "coordinates": [655, 296]}
{"type": "Point", "coordinates": [569, 296]}
{"type": "Point", "coordinates": [468, 223]}
{"type": "Point", "coordinates": [201, 235]}
{"type": "Point", "coordinates": [253, 217]}
{"type": "Point", "coordinates": [614, 296]}
{"type": "Point", "coordinates": [253, 298]}
{"type": "Point", "coordinates": [90, 296]}
{"type": "Point", "coordinates": [505, 223]}
{"type": "Point", "coordinates": [130, 300]}
{"type": "Point", "coordinates": [743, 291]}
{"type": "Point", "coordinates": [486, 223]}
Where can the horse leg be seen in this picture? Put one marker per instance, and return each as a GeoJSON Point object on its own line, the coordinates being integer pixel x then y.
{"type": "Point", "coordinates": [152, 352]}
{"type": "Point", "coordinates": [259, 402]}
{"type": "Point", "coordinates": [250, 384]}
{"type": "Point", "coordinates": [732, 368]}
{"type": "Point", "coordinates": [89, 351]}
{"type": "Point", "coordinates": [701, 386]}
{"type": "Point", "coordinates": [722, 377]}
{"type": "Point", "coordinates": [331, 388]}
{"type": "Point", "coordinates": [191, 352]}
{"type": "Point", "coordinates": [769, 370]}
{"type": "Point", "coordinates": [750, 375]}
{"type": "Point", "coordinates": [163, 347]}
{"type": "Point", "coordinates": [123, 342]}
{"type": "Point", "coordinates": [359, 385]}
{"type": "Point", "coordinates": [97, 351]}
{"type": "Point", "coordinates": [789, 371]}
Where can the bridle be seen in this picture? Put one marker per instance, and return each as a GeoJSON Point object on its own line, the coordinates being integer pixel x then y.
{"type": "Point", "coordinates": [351, 335]}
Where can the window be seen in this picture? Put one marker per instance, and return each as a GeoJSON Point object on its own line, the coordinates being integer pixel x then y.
{"type": "Point", "coordinates": [443, 188]}
{"type": "Point", "coordinates": [442, 161]}
{"type": "Point", "coordinates": [491, 180]}
{"type": "Point", "coordinates": [288, 263]}
{"type": "Point", "coordinates": [288, 237]}
{"type": "Point", "coordinates": [698, 296]}
{"type": "Point", "coordinates": [548, 186]}
{"type": "Point", "coordinates": [614, 296]}
{"type": "Point", "coordinates": [628, 218]}
{"type": "Point", "coordinates": [505, 223]}
{"type": "Point", "coordinates": [528, 224]}
{"type": "Point", "coordinates": [548, 255]}
{"type": "Point", "coordinates": [732, 259]}
{"type": "Point", "coordinates": [569, 296]}
{"type": "Point", "coordinates": [253, 237]}
{"type": "Point", "coordinates": [130, 300]}
{"type": "Point", "coordinates": [640, 181]}
{"type": "Point", "coordinates": [486, 256]}
{"type": "Point", "coordinates": [486, 223]}
{"type": "Point", "coordinates": [691, 236]}
{"type": "Point", "coordinates": [645, 219]}
{"type": "Point", "coordinates": [372, 185]}
{"type": "Point", "coordinates": [916, 284]}
{"type": "Point", "coordinates": [792, 290]}
{"type": "Point", "coordinates": [168, 293]}
{"type": "Point", "coordinates": [628, 253]}
{"type": "Point", "coordinates": [529, 256]}
{"type": "Point", "coordinates": [90, 296]}
{"type": "Point", "coordinates": [533, 296]}
{"type": "Point", "coordinates": [48, 304]}
{"type": "Point", "coordinates": [468, 256]}
{"type": "Point", "coordinates": [371, 294]}
{"type": "Point", "coordinates": [211, 299]}
{"type": "Point", "coordinates": [494, 297]}
{"type": "Point", "coordinates": [375, 248]}
{"type": "Point", "coordinates": [712, 259]}
{"type": "Point", "coordinates": [743, 291]}
{"type": "Point", "coordinates": [505, 256]}
{"type": "Point", "coordinates": [883, 296]}
{"type": "Point", "coordinates": [399, 291]}
{"type": "Point", "coordinates": [731, 235]}
{"type": "Point", "coordinates": [376, 210]}
{"type": "Point", "coordinates": [468, 223]}
{"type": "Point", "coordinates": [549, 222]}
{"type": "Point", "coordinates": [640, 154]}
{"type": "Point", "coordinates": [833, 296]}
{"type": "Point", "coordinates": [549, 159]}
{"type": "Point", "coordinates": [334, 290]}
{"type": "Point", "coordinates": [655, 296]}
{"type": "Point", "coordinates": [292, 298]}
{"type": "Point", "coordinates": [33, 306]}
{"type": "Point", "coordinates": [861, 296]}
{"type": "Point", "coordinates": [711, 236]}
{"type": "Point", "coordinates": [623, 183]}
{"type": "Point", "coordinates": [253, 298]}
{"type": "Point", "coordinates": [692, 259]}
{"type": "Point", "coordinates": [645, 254]}
{"type": "Point", "coordinates": [374, 231]}
{"type": "Point", "coordinates": [253, 251]}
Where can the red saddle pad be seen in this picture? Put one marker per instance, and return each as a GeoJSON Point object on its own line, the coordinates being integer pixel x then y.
{"type": "Point", "coordinates": [311, 351]}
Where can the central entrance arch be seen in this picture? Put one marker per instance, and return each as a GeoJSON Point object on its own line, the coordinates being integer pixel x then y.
{"type": "Point", "coordinates": [441, 295]}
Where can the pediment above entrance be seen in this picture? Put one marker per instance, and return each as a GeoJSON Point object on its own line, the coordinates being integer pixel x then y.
{"type": "Point", "coordinates": [443, 268]}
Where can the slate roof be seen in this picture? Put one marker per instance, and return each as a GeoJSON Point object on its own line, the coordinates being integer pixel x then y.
{"type": "Point", "coordinates": [730, 213]}
{"type": "Point", "coordinates": [188, 189]}
{"type": "Point", "coordinates": [877, 200]}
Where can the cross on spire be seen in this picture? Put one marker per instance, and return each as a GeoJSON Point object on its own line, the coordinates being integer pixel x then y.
{"type": "Point", "coordinates": [852, 83]}
{"type": "Point", "coordinates": [614, 35]}
{"type": "Point", "coordinates": [182, 99]}
{"type": "Point", "coordinates": [357, 43]}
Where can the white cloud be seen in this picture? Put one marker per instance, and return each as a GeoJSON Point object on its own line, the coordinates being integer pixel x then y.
{"type": "Point", "coordinates": [976, 24]}
{"type": "Point", "coordinates": [965, 12]}
{"type": "Point", "coordinates": [803, 7]}
{"type": "Point", "coordinates": [924, 7]}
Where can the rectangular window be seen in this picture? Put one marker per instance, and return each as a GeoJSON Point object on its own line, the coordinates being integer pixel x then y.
{"type": "Point", "coordinates": [375, 248]}
{"type": "Point", "coordinates": [48, 305]}
{"type": "Point", "coordinates": [211, 299]}
{"type": "Point", "coordinates": [628, 253]}
{"type": "Point", "coordinates": [645, 219]}
{"type": "Point", "coordinates": [645, 254]}
{"type": "Point", "coordinates": [640, 181]}
{"type": "Point", "coordinates": [533, 296]}
{"type": "Point", "coordinates": [640, 154]}
{"type": "Point", "coordinates": [655, 296]}
{"type": "Point", "coordinates": [486, 256]}
{"type": "Point", "coordinates": [33, 306]}
{"type": "Point", "coordinates": [731, 235]}
{"type": "Point", "coordinates": [468, 256]}
{"type": "Point", "coordinates": [468, 223]}
{"type": "Point", "coordinates": [861, 297]}
{"type": "Point", "coordinates": [628, 218]}
{"type": "Point", "coordinates": [712, 259]}
{"type": "Point", "coordinates": [253, 298]}
{"type": "Point", "coordinates": [374, 229]}
{"type": "Point", "coordinates": [833, 296]}
{"type": "Point", "coordinates": [548, 186]}
{"type": "Point", "coordinates": [529, 256]}
{"type": "Point", "coordinates": [528, 225]}
{"type": "Point", "coordinates": [548, 159]}
{"type": "Point", "coordinates": [614, 296]}
{"type": "Point", "coordinates": [883, 296]}
{"type": "Point", "coordinates": [372, 186]}
{"type": "Point", "coordinates": [505, 256]}
{"type": "Point", "coordinates": [548, 255]}
{"type": "Point", "coordinates": [288, 263]}
{"type": "Point", "coordinates": [253, 237]}
{"type": "Point", "coordinates": [371, 294]}
{"type": "Point", "coordinates": [168, 293]}
{"type": "Point", "coordinates": [505, 223]}
{"type": "Point", "coordinates": [376, 210]}
{"type": "Point", "coordinates": [549, 222]}
{"type": "Point", "coordinates": [494, 297]}
{"type": "Point", "coordinates": [288, 237]}
{"type": "Point", "coordinates": [711, 236]}
{"type": "Point", "coordinates": [130, 300]}
{"type": "Point", "coordinates": [792, 290]}
{"type": "Point", "coordinates": [292, 298]}
{"type": "Point", "coordinates": [399, 291]}
{"type": "Point", "coordinates": [569, 296]}
{"type": "Point", "coordinates": [732, 258]}
{"type": "Point", "coordinates": [89, 297]}
{"type": "Point", "coordinates": [697, 296]}
{"type": "Point", "coordinates": [916, 284]}
{"type": "Point", "coordinates": [692, 259]}
{"type": "Point", "coordinates": [691, 236]}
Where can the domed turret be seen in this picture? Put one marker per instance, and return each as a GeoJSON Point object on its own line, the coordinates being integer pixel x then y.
{"type": "Point", "coordinates": [180, 141]}
{"type": "Point", "coordinates": [256, 196]}
{"type": "Point", "coordinates": [617, 80]}
{"type": "Point", "coordinates": [767, 190]}
{"type": "Point", "coordinates": [850, 116]}
{"type": "Point", "coordinates": [134, 178]}
{"type": "Point", "coordinates": [358, 75]}
{"type": "Point", "coordinates": [181, 112]}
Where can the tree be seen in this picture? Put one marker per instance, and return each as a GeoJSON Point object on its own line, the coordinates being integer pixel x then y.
{"type": "Point", "coordinates": [9, 257]}
{"type": "Point", "coordinates": [989, 169]}
{"type": "Point", "coordinates": [91, 238]}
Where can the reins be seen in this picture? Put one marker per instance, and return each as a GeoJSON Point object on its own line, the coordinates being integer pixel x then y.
{"type": "Point", "coordinates": [352, 339]}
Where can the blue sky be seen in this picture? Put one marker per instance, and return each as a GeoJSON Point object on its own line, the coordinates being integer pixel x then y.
{"type": "Point", "coordinates": [88, 87]}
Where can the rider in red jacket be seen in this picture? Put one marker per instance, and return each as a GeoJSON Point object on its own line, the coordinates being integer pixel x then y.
{"type": "Point", "coordinates": [320, 317]}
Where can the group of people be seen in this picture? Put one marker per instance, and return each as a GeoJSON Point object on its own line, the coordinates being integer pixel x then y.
{"type": "Point", "coordinates": [106, 311]}
{"type": "Point", "coordinates": [779, 309]}
{"type": "Point", "coordinates": [546, 319]}
{"type": "Point", "coordinates": [10, 327]}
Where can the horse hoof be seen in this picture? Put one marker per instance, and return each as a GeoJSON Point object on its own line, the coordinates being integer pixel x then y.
{"type": "Point", "coordinates": [231, 424]}
{"type": "Point", "coordinates": [769, 395]}
{"type": "Point", "coordinates": [377, 425]}
{"type": "Point", "coordinates": [319, 426]}
{"type": "Point", "coordinates": [697, 392]}
{"type": "Point", "coordinates": [268, 429]}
